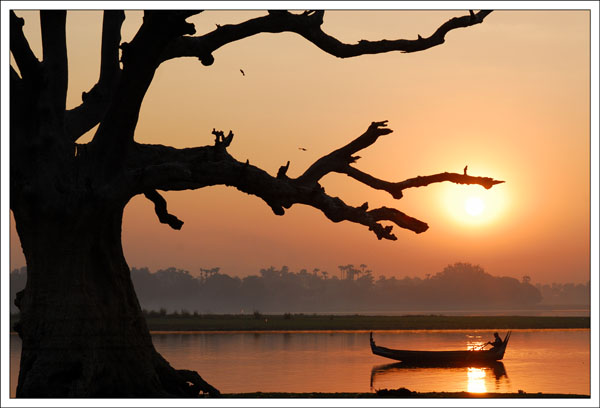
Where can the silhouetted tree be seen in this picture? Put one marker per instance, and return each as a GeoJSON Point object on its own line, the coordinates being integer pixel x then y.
{"type": "Point", "coordinates": [465, 285]}
{"type": "Point", "coordinates": [173, 289]}
{"type": "Point", "coordinates": [18, 279]}
{"type": "Point", "coordinates": [82, 327]}
{"type": "Point", "coordinates": [207, 273]}
{"type": "Point", "coordinates": [565, 294]}
{"type": "Point", "coordinates": [219, 292]}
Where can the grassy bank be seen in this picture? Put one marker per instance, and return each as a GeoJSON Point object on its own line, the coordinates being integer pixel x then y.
{"type": "Point", "coordinates": [259, 322]}
{"type": "Point", "coordinates": [358, 322]}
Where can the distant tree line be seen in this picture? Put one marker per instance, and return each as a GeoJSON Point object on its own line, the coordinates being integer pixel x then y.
{"type": "Point", "coordinates": [564, 294]}
{"type": "Point", "coordinates": [460, 286]}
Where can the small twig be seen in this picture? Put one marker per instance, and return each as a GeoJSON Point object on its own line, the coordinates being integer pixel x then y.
{"type": "Point", "coordinates": [221, 139]}
{"type": "Point", "coordinates": [281, 173]}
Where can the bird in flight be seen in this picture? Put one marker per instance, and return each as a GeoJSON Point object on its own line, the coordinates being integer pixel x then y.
{"type": "Point", "coordinates": [242, 71]}
{"type": "Point", "coordinates": [302, 148]}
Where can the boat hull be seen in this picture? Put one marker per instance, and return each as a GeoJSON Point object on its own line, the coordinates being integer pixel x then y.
{"type": "Point", "coordinates": [414, 356]}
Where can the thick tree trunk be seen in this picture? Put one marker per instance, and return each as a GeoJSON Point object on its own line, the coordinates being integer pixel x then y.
{"type": "Point", "coordinates": [82, 327]}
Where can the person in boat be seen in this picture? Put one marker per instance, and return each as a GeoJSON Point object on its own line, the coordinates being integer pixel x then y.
{"type": "Point", "coordinates": [496, 343]}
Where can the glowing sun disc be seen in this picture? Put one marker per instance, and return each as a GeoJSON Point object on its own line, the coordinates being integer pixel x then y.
{"type": "Point", "coordinates": [474, 206]}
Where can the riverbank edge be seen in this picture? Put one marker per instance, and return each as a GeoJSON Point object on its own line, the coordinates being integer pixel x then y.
{"type": "Point", "coordinates": [413, 394]}
{"type": "Point", "coordinates": [360, 322]}
{"type": "Point", "coordinates": [303, 322]}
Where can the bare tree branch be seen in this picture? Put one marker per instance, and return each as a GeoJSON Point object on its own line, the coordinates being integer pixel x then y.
{"type": "Point", "coordinates": [184, 169]}
{"type": "Point", "coordinates": [399, 218]}
{"type": "Point", "coordinates": [166, 168]}
{"type": "Point", "coordinates": [95, 102]}
{"type": "Point", "coordinates": [198, 171]}
{"type": "Point", "coordinates": [308, 25]}
{"type": "Point", "coordinates": [335, 47]}
{"type": "Point", "coordinates": [140, 59]}
{"type": "Point", "coordinates": [111, 39]}
{"type": "Point", "coordinates": [160, 207]}
{"type": "Point", "coordinates": [395, 189]}
{"type": "Point", "coordinates": [54, 46]}
{"type": "Point", "coordinates": [339, 159]}
{"type": "Point", "coordinates": [457, 178]}
{"type": "Point", "coordinates": [339, 162]}
{"type": "Point", "coordinates": [28, 64]}
{"type": "Point", "coordinates": [373, 182]}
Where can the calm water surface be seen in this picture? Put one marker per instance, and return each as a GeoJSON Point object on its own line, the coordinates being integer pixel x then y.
{"type": "Point", "coordinates": [556, 361]}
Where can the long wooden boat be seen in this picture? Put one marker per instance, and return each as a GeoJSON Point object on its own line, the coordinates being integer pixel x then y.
{"type": "Point", "coordinates": [414, 356]}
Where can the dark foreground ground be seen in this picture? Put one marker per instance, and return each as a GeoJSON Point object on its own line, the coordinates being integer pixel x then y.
{"type": "Point", "coordinates": [358, 322]}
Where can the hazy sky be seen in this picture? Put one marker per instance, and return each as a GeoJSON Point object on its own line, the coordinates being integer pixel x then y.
{"type": "Point", "coordinates": [510, 98]}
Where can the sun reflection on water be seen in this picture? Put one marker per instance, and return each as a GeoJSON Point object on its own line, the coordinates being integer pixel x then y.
{"type": "Point", "coordinates": [476, 380]}
{"type": "Point", "coordinates": [475, 342]}
{"type": "Point", "coordinates": [476, 345]}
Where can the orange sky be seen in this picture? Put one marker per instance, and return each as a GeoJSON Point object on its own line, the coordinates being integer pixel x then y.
{"type": "Point", "coordinates": [509, 98]}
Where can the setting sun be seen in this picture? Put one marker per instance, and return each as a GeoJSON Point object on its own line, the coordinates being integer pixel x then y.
{"type": "Point", "coordinates": [474, 206]}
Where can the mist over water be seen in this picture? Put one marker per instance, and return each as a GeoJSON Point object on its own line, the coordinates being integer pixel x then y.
{"type": "Point", "coordinates": [459, 289]}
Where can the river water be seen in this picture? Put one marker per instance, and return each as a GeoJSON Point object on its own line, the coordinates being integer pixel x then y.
{"type": "Point", "coordinates": [547, 361]}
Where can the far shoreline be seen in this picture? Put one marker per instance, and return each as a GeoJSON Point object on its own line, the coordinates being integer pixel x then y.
{"type": "Point", "coordinates": [258, 322]}
{"type": "Point", "coordinates": [303, 322]}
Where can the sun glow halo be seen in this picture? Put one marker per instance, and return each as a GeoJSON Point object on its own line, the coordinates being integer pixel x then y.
{"type": "Point", "coordinates": [474, 206]}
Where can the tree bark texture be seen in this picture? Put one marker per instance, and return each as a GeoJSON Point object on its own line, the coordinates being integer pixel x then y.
{"type": "Point", "coordinates": [82, 328]}
{"type": "Point", "coordinates": [81, 323]}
